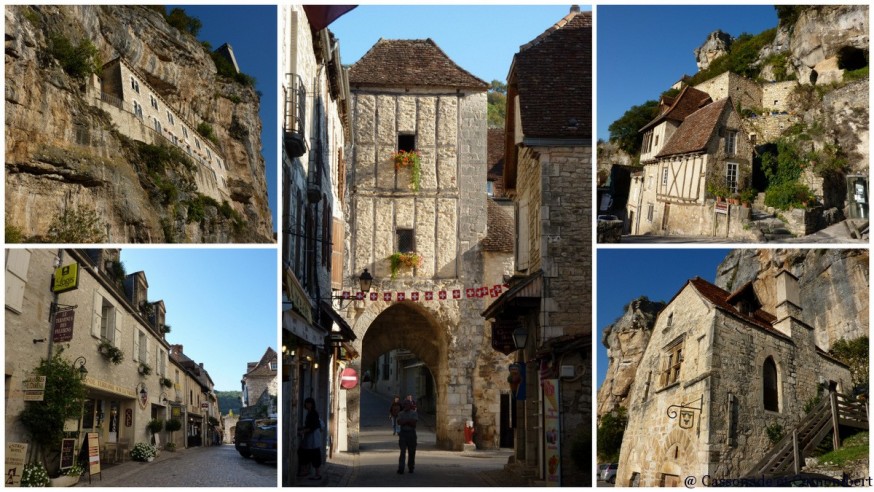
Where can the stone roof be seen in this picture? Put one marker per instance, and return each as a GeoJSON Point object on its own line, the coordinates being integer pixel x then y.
{"type": "Point", "coordinates": [554, 77]}
{"type": "Point", "coordinates": [685, 103]}
{"type": "Point", "coordinates": [495, 160]}
{"type": "Point", "coordinates": [696, 130]}
{"type": "Point", "coordinates": [411, 63]}
{"type": "Point", "coordinates": [500, 237]}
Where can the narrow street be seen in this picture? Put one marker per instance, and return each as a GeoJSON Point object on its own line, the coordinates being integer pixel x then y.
{"type": "Point", "coordinates": [216, 466]}
{"type": "Point", "coordinates": [377, 462]}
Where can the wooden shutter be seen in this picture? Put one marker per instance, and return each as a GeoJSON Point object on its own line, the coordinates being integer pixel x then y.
{"type": "Point", "coordinates": [338, 235]}
{"type": "Point", "coordinates": [115, 324]}
{"type": "Point", "coordinates": [96, 315]}
{"type": "Point", "coordinates": [136, 356]}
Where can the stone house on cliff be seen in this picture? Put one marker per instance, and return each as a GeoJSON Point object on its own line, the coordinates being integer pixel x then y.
{"type": "Point", "coordinates": [260, 378]}
{"type": "Point", "coordinates": [717, 371]}
{"type": "Point", "coordinates": [547, 172]}
{"type": "Point", "coordinates": [139, 112]}
{"type": "Point", "coordinates": [694, 143]}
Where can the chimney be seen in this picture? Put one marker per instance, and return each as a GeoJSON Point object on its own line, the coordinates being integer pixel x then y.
{"type": "Point", "coordinates": [788, 308]}
{"type": "Point", "coordinates": [176, 349]}
{"type": "Point", "coordinates": [575, 9]}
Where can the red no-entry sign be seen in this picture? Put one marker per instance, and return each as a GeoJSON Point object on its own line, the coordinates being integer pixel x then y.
{"type": "Point", "coordinates": [348, 378]}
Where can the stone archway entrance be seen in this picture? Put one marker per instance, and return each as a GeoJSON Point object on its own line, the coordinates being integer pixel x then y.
{"type": "Point", "coordinates": [415, 328]}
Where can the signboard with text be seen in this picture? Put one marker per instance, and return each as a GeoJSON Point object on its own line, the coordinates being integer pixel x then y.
{"type": "Point", "coordinates": [93, 453]}
{"type": "Point", "coordinates": [67, 453]}
{"type": "Point", "coordinates": [33, 388]}
{"type": "Point", "coordinates": [66, 278]}
{"type": "Point", "coordinates": [16, 454]}
{"type": "Point", "coordinates": [63, 327]}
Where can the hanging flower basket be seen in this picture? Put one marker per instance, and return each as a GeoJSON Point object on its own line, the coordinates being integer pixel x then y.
{"type": "Point", "coordinates": [411, 260]}
{"type": "Point", "coordinates": [409, 159]}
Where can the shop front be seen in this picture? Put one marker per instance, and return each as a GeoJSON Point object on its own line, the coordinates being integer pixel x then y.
{"type": "Point", "coordinates": [110, 411]}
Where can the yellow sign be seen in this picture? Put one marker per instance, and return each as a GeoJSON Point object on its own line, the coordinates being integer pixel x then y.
{"type": "Point", "coordinates": [66, 278]}
{"type": "Point", "coordinates": [107, 386]}
{"type": "Point", "coordinates": [16, 453]}
{"type": "Point", "coordinates": [298, 297]}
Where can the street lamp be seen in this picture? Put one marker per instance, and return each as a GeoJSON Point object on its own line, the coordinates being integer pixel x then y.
{"type": "Point", "coordinates": [520, 337]}
{"type": "Point", "coordinates": [365, 281]}
{"type": "Point", "coordinates": [83, 371]}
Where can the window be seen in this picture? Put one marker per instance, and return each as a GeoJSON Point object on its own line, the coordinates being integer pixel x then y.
{"type": "Point", "coordinates": [107, 320]}
{"type": "Point", "coordinates": [385, 367]}
{"type": "Point", "coordinates": [522, 244]}
{"type": "Point", "coordinates": [770, 390]}
{"type": "Point", "coordinates": [731, 176]}
{"type": "Point", "coordinates": [185, 132]}
{"type": "Point", "coordinates": [157, 126]}
{"type": "Point", "coordinates": [673, 359]}
{"type": "Point", "coordinates": [730, 142]}
{"type": "Point", "coordinates": [177, 377]}
{"type": "Point", "coordinates": [656, 141]}
{"type": "Point", "coordinates": [665, 177]}
{"type": "Point", "coordinates": [671, 319]}
{"type": "Point", "coordinates": [161, 363]}
{"type": "Point", "coordinates": [649, 211]}
{"type": "Point", "coordinates": [407, 142]}
{"type": "Point", "coordinates": [141, 348]}
{"type": "Point", "coordinates": [138, 110]}
{"type": "Point", "coordinates": [170, 117]}
{"type": "Point", "coordinates": [153, 101]}
{"type": "Point", "coordinates": [197, 143]}
{"type": "Point", "coordinates": [273, 365]}
{"type": "Point", "coordinates": [490, 188]}
{"type": "Point", "coordinates": [406, 240]}
{"type": "Point", "coordinates": [17, 263]}
{"type": "Point", "coordinates": [135, 85]}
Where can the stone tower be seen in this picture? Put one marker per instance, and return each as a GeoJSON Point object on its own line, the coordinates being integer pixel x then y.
{"type": "Point", "coordinates": [408, 95]}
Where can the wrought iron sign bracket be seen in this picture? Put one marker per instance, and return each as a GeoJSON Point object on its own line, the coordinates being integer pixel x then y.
{"type": "Point", "coordinates": [686, 412]}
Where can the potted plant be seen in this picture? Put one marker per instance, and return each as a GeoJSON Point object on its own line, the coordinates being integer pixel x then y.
{"type": "Point", "coordinates": [171, 426]}
{"type": "Point", "coordinates": [165, 382]}
{"type": "Point", "coordinates": [412, 160]}
{"type": "Point", "coordinates": [410, 259]}
{"type": "Point", "coordinates": [155, 425]}
{"type": "Point", "coordinates": [35, 475]}
{"type": "Point", "coordinates": [110, 352]}
{"type": "Point", "coordinates": [170, 446]}
{"type": "Point", "coordinates": [70, 477]}
{"type": "Point", "coordinates": [145, 369]}
{"type": "Point", "coordinates": [747, 195]}
{"type": "Point", "coordinates": [143, 452]}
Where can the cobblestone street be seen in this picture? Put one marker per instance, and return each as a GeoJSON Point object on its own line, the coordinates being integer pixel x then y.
{"type": "Point", "coordinates": [377, 463]}
{"type": "Point", "coordinates": [216, 466]}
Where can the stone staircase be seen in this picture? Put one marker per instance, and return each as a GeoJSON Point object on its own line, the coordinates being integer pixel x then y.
{"type": "Point", "coordinates": [771, 227]}
{"type": "Point", "coordinates": [831, 414]}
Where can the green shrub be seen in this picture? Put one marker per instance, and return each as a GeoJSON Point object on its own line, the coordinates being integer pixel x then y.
{"type": "Point", "coordinates": [206, 131]}
{"type": "Point", "coordinates": [63, 397]}
{"type": "Point", "coordinates": [741, 58]}
{"type": "Point", "coordinates": [775, 432]}
{"type": "Point", "coordinates": [788, 195]}
{"type": "Point", "coordinates": [78, 61]}
{"type": "Point", "coordinates": [13, 233]}
{"type": "Point", "coordinates": [851, 75]}
{"type": "Point", "coordinates": [610, 433]}
{"type": "Point", "coordinates": [78, 226]}
{"type": "Point", "coordinates": [183, 22]}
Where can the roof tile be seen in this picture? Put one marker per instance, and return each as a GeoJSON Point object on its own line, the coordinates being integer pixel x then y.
{"type": "Point", "coordinates": [695, 131]}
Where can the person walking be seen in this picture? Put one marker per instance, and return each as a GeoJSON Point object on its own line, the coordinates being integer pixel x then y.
{"type": "Point", "coordinates": [310, 452]}
{"type": "Point", "coordinates": [393, 412]}
{"type": "Point", "coordinates": [407, 420]}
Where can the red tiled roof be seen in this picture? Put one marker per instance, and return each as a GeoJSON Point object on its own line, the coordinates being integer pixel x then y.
{"type": "Point", "coordinates": [410, 63]}
{"type": "Point", "coordinates": [501, 230]}
{"type": "Point", "coordinates": [685, 103]}
{"type": "Point", "coordinates": [495, 160]}
{"type": "Point", "coordinates": [554, 77]}
{"type": "Point", "coordinates": [719, 298]}
{"type": "Point", "coordinates": [696, 130]}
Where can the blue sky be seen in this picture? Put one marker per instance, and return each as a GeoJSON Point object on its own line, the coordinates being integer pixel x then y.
{"type": "Point", "coordinates": [251, 31]}
{"type": "Point", "coordinates": [221, 303]}
{"type": "Point", "coordinates": [482, 39]}
{"type": "Point", "coordinates": [626, 274]}
{"type": "Point", "coordinates": [643, 50]}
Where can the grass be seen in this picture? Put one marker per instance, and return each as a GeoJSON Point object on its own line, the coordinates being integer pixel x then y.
{"type": "Point", "coordinates": [854, 448]}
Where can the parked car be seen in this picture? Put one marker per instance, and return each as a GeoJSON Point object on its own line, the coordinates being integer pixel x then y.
{"type": "Point", "coordinates": [262, 444]}
{"type": "Point", "coordinates": [242, 435]}
{"type": "Point", "coordinates": [609, 473]}
{"type": "Point", "coordinates": [607, 218]}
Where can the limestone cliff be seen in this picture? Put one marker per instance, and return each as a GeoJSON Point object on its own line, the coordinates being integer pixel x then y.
{"type": "Point", "coordinates": [62, 150]}
{"type": "Point", "coordinates": [834, 296]}
{"type": "Point", "coordinates": [717, 44]}
{"type": "Point", "coordinates": [626, 340]}
{"type": "Point", "coordinates": [833, 284]}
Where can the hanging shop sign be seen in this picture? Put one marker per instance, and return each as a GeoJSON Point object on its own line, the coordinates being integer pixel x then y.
{"type": "Point", "coordinates": [502, 334]}
{"type": "Point", "coordinates": [66, 278]}
{"type": "Point", "coordinates": [63, 327]}
{"type": "Point", "coordinates": [34, 388]}
{"type": "Point", "coordinates": [128, 417]}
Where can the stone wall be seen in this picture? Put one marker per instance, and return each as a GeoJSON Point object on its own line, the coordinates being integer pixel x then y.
{"type": "Point", "coordinates": [775, 95]}
{"type": "Point", "coordinates": [769, 127]}
{"type": "Point", "coordinates": [741, 90]}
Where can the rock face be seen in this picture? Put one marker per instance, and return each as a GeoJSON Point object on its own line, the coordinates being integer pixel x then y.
{"type": "Point", "coordinates": [833, 285]}
{"type": "Point", "coordinates": [718, 43]}
{"type": "Point", "coordinates": [823, 36]}
{"type": "Point", "coordinates": [63, 151]}
{"type": "Point", "coordinates": [626, 340]}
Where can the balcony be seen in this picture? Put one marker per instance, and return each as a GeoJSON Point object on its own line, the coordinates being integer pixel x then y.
{"type": "Point", "coordinates": [295, 113]}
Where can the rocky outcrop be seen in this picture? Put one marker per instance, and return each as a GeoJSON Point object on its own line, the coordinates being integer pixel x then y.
{"type": "Point", "coordinates": [717, 44]}
{"type": "Point", "coordinates": [626, 340]}
{"type": "Point", "coordinates": [63, 151]}
{"type": "Point", "coordinates": [823, 36]}
{"type": "Point", "coordinates": [833, 284]}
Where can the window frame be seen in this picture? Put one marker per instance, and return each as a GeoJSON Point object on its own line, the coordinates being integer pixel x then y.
{"type": "Point", "coordinates": [673, 357]}
{"type": "Point", "coordinates": [731, 176]}
{"type": "Point", "coordinates": [731, 142]}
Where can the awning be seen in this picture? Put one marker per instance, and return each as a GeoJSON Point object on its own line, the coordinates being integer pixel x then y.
{"type": "Point", "coordinates": [321, 16]}
{"type": "Point", "coordinates": [346, 332]}
{"type": "Point", "coordinates": [299, 300]}
{"type": "Point", "coordinates": [298, 326]}
{"type": "Point", "coordinates": [523, 296]}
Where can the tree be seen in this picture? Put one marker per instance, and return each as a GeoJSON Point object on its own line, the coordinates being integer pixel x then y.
{"type": "Point", "coordinates": [610, 433]}
{"type": "Point", "coordinates": [855, 354]}
{"type": "Point", "coordinates": [77, 225]}
{"type": "Point", "coordinates": [496, 99]}
{"type": "Point", "coordinates": [182, 21]}
{"type": "Point", "coordinates": [625, 131]}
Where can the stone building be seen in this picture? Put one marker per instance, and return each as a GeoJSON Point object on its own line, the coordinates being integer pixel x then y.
{"type": "Point", "coordinates": [260, 378]}
{"type": "Point", "coordinates": [141, 113]}
{"type": "Point", "coordinates": [110, 316]}
{"type": "Point", "coordinates": [315, 131]}
{"type": "Point", "coordinates": [717, 371]}
{"type": "Point", "coordinates": [196, 401]}
{"type": "Point", "coordinates": [693, 145]}
{"type": "Point", "coordinates": [407, 95]}
{"type": "Point", "coordinates": [548, 173]}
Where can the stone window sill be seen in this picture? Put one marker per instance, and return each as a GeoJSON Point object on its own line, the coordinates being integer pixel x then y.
{"type": "Point", "coordinates": [665, 388]}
